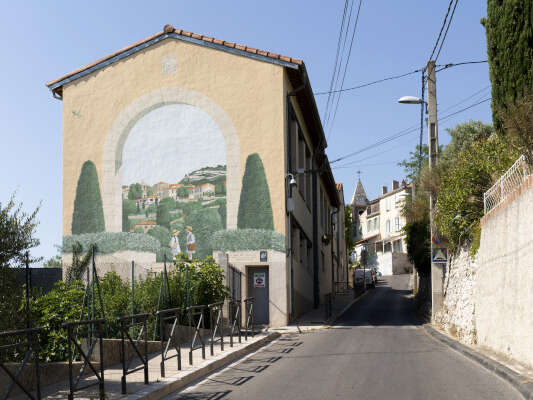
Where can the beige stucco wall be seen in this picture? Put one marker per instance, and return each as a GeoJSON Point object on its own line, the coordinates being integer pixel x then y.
{"type": "Point", "coordinates": [503, 292]}
{"type": "Point", "coordinates": [249, 92]}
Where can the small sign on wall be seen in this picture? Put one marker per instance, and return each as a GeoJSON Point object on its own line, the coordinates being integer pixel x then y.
{"type": "Point", "coordinates": [263, 256]}
{"type": "Point", "coordinates": [259, 279]}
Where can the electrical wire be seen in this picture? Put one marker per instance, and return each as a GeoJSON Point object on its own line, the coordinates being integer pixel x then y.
{"type": "Point", "coordinates": [446, 33]}
{"type": "Point", "coordinates": [336, 56]}
{"type": "Point", "coordinates": [402, 133]}
{"type": "Point", "coordinates": [370, 83]}
{"type": "Point", "coordinates": [479, 92]}
{"type": "Point", "coordinates": [441, 29]}
{"type": "Point", "coordinates": [345, 67]}
{"type": "Point", "coordinates": [446, 66]}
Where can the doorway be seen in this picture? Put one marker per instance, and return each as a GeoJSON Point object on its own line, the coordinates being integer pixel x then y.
{"type": "Point", "coordinates": [258, 288]}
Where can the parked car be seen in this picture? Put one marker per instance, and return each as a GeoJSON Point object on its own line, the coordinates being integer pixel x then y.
{"type": "Point", "coordinates": [368, 276]}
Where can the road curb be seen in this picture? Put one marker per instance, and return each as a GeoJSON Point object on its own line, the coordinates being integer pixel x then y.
{"type": "Point", "coordinates": [335, 317]}
{"type": "Point", "coordinates": [519, 382]}
{"type": "Point", "coordinates": [170, 385]}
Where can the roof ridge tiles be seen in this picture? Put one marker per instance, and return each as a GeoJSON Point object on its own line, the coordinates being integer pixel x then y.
{"type": "Point", "coordinates": [169, 29]}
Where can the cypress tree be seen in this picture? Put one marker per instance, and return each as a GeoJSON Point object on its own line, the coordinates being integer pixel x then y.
{"type": "Point", "coordinates": [509, 27]}
{"type": "Point", "coordinates": [255, 209]}
{"type": "Point", "coordinates": [88, 216]}
{"type": "Point", "coordinates": [163, 217]}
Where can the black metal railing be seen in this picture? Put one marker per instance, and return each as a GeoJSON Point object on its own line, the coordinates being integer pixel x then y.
{"type": "Point", "coordinates": [196, 321]}
{"type": "Point", "coordinates": [328, 306]}
{"type": "Point", "coordinates": [234, 320]}
{"type": "Point", "coordinates": [94, 326]}
{"type": "Point", "coordinates": [249, 317]}
{"type": "Point", "coordinates": [216, 319]}
{"type": "Point", "coordinates": [132, 322]}
{"type": "Point", "coordinates": [29, 339]}
{"type": "Point", "coordinates": [169, 317]}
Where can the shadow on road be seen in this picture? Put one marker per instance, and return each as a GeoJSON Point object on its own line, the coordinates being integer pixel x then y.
{"type": "Point", "coordinates": [219, 386]}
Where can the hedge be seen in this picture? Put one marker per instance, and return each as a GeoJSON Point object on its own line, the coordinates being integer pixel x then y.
{"type": "Point", "coordinates": [111, 242]}
{"type": "Point", "coordinates": [248, 239]}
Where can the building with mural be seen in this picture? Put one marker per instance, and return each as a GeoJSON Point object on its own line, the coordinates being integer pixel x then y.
{"type": "Point", "coordinates": [185, 133]}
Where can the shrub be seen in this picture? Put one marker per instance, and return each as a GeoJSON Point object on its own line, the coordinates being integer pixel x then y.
{"type": "Point", "coordinates": [255, 209]}
{"type": "Point", "coordinates": [88, 216]}
{"type": "Point", "coordinates": [111, 242]}
{"type": "Point", "coordinates": [248, 239]}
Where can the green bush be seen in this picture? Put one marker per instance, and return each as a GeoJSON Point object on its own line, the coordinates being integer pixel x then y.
{"type": "Point", "coordinates": [111, 242]}
{"type": "Point", "coordinates": [204, 223]}
{"type": "Point", "coordinates": [255, 209]}
{"type": "Point", "coordinates": [62, 304]}
{"type": "Point", "coordinates": [248, 239]}
{"type": "Point", "coordinates": [88, 216]}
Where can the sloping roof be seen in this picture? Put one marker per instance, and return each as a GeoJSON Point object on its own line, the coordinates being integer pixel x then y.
{"type": "Point", "coordinates": [359, 193]}
{"type": "Point", "coordinates": [169, 31]}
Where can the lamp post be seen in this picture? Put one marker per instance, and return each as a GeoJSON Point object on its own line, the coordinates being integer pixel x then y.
{"type": "Point", "coordinates": [437, 271]}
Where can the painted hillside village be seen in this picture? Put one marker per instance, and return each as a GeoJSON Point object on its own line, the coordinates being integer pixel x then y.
{"type": "Point", "coordinates": [165, 209]}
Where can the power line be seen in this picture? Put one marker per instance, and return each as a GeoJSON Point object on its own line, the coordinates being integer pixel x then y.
{"type": "Point", "coordinates": [466, 99]}
{"type": "Point", "coordinates": [346, 65]}
{"type": "Point", "coordinates": [441, 29]}
{"type": "Point", "coordinates": [403, 133]}
{"type": "Point", "coordinates": [369, 83]}
{"type": "Point", "coordinates": [339, 65]}
{"type": "Point", "coordinates": [446, 66]}
{"type": "Point", "coordinates": [446, 33]}
{"type": "Point", "coordinates": [337, 55]}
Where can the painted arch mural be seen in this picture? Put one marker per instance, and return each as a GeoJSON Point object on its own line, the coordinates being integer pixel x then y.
{"type": "Point", "coordinates": [171, 182]}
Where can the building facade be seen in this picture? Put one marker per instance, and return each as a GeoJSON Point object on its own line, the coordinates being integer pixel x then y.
{"type": "Point", "coordinates": [378, 228]}
{"type": "Point", "coordinates": [186, 131]}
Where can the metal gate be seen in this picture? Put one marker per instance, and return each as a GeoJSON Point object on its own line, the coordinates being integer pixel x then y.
{"type": "Point", "coordinates": [234, 283]}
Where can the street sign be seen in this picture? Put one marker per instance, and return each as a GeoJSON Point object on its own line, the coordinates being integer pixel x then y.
{"type": "Point", "coordinates": [439, 255]}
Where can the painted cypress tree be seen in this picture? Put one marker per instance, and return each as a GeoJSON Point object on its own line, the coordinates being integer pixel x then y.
{"type": "Point", "coordinates": [88, 216]}
{"type": "Point", "coordinates": [255, 209]}
{"type": "Point", "coordinates": [509, 26]}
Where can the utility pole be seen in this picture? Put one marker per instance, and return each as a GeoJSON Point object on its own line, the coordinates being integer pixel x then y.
{"type": "Point", "coordinates": [437, 269]}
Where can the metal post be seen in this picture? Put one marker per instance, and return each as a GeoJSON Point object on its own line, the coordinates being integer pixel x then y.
{"type": "Point", "coordinates": [101, 345]}
{"type": "Point", "coordinates": [37, 373]}
{"type": "Point", "coordinates": [437, 270]}
{"type": "Point", "coordinates": [27, 290]}
{"type": "Point", "coordinates": [69, 341]}
{"type": "Point", "coordinates": [133, 288]}
{"type": "Point", "coordinates": [146, 351]}
{"type": "Point", "coordinates": [123, 359]}
{"type": "Point", "coordinates": [92, 297]}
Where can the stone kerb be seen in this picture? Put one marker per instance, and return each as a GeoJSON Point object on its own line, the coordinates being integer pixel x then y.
{"type": "Point", "coordinates": [121, 127]}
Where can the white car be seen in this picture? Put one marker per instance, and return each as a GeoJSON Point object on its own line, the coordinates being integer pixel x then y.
{"type": "Point", "coordinates": [369, 277]}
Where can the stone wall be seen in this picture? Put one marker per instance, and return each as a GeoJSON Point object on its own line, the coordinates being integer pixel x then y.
{"type": "Point", "coordinates": [489, 300]}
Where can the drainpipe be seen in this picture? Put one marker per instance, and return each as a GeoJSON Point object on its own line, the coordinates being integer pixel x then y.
{"type": "Point", "coordinates": [335, 212]}
{"type": "Point", "coordinates": [288, 194]}
{"type": "Point", "coordinates": [316, 288]}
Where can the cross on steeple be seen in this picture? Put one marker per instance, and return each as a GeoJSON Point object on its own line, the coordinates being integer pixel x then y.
{"type": "Point", "coordinates": [358, 174]}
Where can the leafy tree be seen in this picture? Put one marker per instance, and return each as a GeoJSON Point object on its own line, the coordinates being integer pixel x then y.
{"type": "Point", "coordinates": [53, 262]}
{"type": "Point", "coordinates": [79, 265]}
{"type": "Point", "coordinates": [17, 233]}
{"type": "Point", "coordinates": [509, 27]}
{"type": "Point", "coordinates": [163, 217]}
{"type": "Point", "coordinates": [518, 125]}
{"type": "Point", "coordinates": [222, 210]}
{"type": "Point", "coordinates": [135, 192]}
{"type": "Point", "coordinates": [204, 223]}
{"type": "Point", "coordinates": [348, 223]}
{"type": "Point", "coordinates": [88, 216]}
{"type": "Point", "coordinates": [255, 209]}
{"type": "Point", "coordinates": [415, 162]}
{"type": "Point", "coordinates": [11, 296]}
{"type": "Point", "coordinates": [183, 192]}
{"type": "Point", "coordinates": [463, 136]}
{"type": "Point", "coordinates": [169, 202]}
{"type": "Point", "coordinates": [128, 208]}
{"type": "Point", "coordinates": [151, 209]}
{"type": "Point", "coordinates": [149, 191]}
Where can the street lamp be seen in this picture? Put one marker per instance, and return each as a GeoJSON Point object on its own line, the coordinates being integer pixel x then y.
{"type": "Point", "coordinates": [411, 100]}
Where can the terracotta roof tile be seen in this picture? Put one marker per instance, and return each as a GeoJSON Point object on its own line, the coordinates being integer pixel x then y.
{"type": "Point", "coordinates": [170, 29]}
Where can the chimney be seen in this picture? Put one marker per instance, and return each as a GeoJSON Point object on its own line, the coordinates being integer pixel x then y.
{"type": "Point", "coordinates": [395, 185]}
{"type": "Point", "coordinates": [384, 190]}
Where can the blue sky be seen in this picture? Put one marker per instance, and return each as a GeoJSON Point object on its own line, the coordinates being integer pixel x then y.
{"type": "Point", "coordinates": [40, 41]}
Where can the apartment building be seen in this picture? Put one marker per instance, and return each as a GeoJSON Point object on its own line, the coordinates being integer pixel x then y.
{"type": "Point", "coordinates": [378, 227]}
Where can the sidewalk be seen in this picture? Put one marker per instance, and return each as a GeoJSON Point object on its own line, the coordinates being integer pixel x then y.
{"type": "Point", "coordinates": [316, 318]}
{"type": "Point", "coordinates": [159, 387]}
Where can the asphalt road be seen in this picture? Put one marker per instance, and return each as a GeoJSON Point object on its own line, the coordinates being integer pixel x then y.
{"type": "Point", "coordinates": [376, 351]}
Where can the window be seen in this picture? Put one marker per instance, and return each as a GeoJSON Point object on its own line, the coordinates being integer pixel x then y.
{"type": "Point", "coordinates": [301, 163]}
{"type": "Point", "coordinates": [308, 176]}
{"type": "Point", "coordinates": [397, 246]}
{"type": "Point", "coordinates": [368, 225]}
{"type": "Point", "coordinates": [387, 226]}
{"type": "Point", "coordinates": [387, 203]}
{"type": "Point", "coordinates": [387, 247]}
{"type": "Point", "coordinates": [397, 223]}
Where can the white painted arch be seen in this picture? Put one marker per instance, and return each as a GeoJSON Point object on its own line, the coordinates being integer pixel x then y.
{"type": "Point", "coordinates": [121, 127]}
